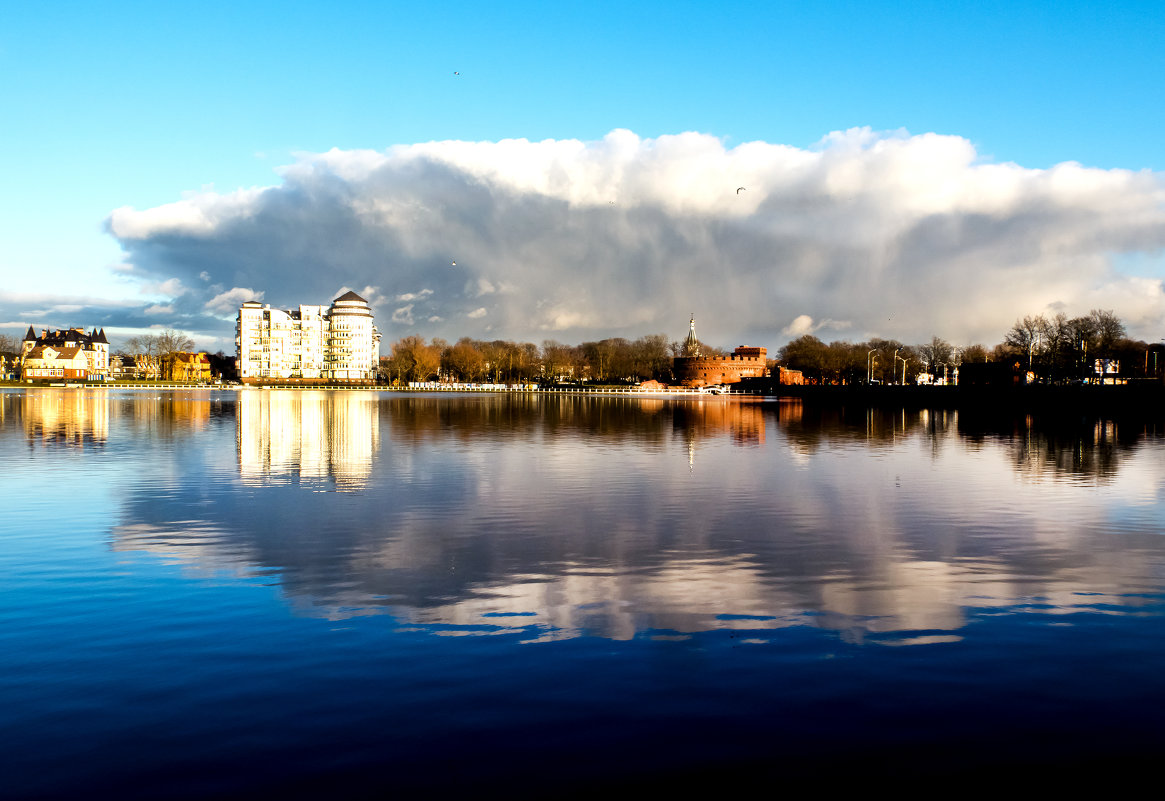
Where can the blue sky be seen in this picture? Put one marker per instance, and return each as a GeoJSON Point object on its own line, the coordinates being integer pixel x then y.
{"type": "Point", "coordinates": [141, 105]}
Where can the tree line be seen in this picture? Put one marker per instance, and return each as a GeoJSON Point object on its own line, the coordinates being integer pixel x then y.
{"type": "Point", "coordinates": [615, 360]}
{"type": "Point", "coordinates": [1056, 348]}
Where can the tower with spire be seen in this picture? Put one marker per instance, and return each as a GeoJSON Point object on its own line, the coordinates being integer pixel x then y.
{"type": "Point", "coordinates": [692, 369]}
{"type": "Point", "coordinates": [691, 344]}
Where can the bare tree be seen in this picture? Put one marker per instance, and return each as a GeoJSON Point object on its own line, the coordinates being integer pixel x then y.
{"type": "Point", "coordinates": [934, 354]}
{"type": "Point", "coordinates": [464, 361]}
{"type": "Point", "coordinates": [144, 349]}
{"type": "Point", "coordinates": [171, 341]}
{"type": "Point", "coordinates": [1026, 337]}
{"type": "Point", "coordinates": [1023, 335]}
{"type": "Point", "coordinates": [558, 361]}
{"type": "Point", "coordinates": [1107, 328]}
{"type": "Point", "coordinates": [652, 358]}
{"type": "Point", "coordinates": [806, 353]}
{"type": "Point", "coordinates": [972, 354]}
{"type": "Point", "coordinates": [884, 359]}
{"type": "Point", "coordinates": [412, 360]}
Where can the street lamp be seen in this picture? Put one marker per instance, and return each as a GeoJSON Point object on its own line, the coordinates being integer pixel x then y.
{"type": "Point", "coordinates": [870, 359]}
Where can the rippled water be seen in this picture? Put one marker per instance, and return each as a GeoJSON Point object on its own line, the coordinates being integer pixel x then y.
{"type": "Point", "coordinates": [338, 593]}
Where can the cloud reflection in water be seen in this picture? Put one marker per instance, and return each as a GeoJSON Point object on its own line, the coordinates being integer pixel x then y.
{"type": "Point", "coordinates": [567, 516]}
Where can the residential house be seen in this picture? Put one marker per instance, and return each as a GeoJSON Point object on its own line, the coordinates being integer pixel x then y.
{"type": "Point", "coordinates": [93, 347]}
{"type": "Point", "coordinates": [48, 363]}
{"type": "Point", "coordinates": [189, 367]}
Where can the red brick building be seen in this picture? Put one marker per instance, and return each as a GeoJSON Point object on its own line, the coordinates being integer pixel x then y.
{"type": "Point", "coordinates": [694, 370]}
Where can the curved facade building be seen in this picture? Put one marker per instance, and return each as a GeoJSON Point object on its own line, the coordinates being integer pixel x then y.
{"type": "Point", "coordinates": [336, 344]}
{"type": "Point", "coordinates": [352, 340]}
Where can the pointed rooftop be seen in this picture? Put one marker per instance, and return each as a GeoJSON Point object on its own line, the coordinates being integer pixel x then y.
{"type": "Point", "coordinates": [348, 297]}
{"type": "Point", "coordinates": [691, 344]}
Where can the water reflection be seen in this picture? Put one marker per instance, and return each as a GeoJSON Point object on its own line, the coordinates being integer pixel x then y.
{"type": "Point", "coordinates": [308, 435]}
{"type": "Point", "coordinates": [1039, 446]}
{"type": "Point", "coordinates": [569, 516]}
{"type": "Point", "coordinates": [86, 418]}
{"type": "Point", "coordinates": [645, 421]}
{"type": "Point", "coordinates": [68, 418]}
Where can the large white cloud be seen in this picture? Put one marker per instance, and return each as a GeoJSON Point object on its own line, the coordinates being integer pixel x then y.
{"type": "Point", "coordinates": [889, 234]}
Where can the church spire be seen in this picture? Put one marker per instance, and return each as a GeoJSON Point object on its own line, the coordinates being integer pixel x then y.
{"type": "Point", "coordinates": [691, 344]}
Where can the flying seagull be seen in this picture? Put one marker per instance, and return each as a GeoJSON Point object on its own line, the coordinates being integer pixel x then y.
{"type": "Point", "coordinates": [455, 72]}
{"type": "Point", "coordinates": [739, 189]}
{"type": "Point", "coordinates": [453, 264]}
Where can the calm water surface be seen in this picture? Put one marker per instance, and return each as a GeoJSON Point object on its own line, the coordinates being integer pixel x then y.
{"type": "Point", "coordinates": [311, 593]}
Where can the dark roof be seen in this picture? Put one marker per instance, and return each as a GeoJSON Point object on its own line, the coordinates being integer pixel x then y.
{"type": "Point", "coordinates": [61, 337]}
{"type": "Point", "coordinates": [349, 295]}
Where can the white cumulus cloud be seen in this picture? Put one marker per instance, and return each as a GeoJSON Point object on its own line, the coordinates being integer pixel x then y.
{"type": "Point", "coordinates": [229, 301]}
{"type": "Point", "coordinates": [898, 235]}
{"type": "Point", "coordinates": [407, 296]}
{"type": "Point", "coordinates": [198, 213]}
{"type": "Point", "coordinates": [804, 324]}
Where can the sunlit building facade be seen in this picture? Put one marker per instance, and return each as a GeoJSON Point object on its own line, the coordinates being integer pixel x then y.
{"type": "Point", "coordinates": [70, 353]}
{"type": "Point", "coordinates": [692, 369]}
{"type": "Point", "coordinates": [336, 344]}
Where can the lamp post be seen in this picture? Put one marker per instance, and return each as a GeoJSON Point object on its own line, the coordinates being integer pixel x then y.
{"type": "Point", "coordinates": [870, 358]}
{"type": "Point", "coordinates": [957, 358]}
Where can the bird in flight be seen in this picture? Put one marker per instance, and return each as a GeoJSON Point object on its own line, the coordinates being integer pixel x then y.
{"type": "Point", "coordinates": [453, 264]}
{"type": "Point", "coordinates": [739, 189]}
{"type": "Point", "coordinates": [455, 72]}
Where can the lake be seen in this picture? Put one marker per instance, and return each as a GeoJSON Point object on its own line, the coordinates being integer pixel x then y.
{"type": "Point", "coordinates": [358, 593]}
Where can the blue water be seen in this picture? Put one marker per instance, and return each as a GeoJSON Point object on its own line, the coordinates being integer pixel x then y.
{"type": "Point", "coordinates": [305, 594]}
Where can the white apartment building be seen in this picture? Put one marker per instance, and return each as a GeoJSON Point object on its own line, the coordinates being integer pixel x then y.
{"type": "Point", "coordinates": [309, 345]}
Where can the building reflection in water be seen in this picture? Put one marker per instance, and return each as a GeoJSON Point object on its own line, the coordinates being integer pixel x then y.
{"type": "Point", "coordinates": [307, 435]}
{"type": "Point", "coordinates": [569, 516]}
{"type": "Point", "coordinates": [67, 417]}
{"type": "Point", "coordinates": [82, 418]}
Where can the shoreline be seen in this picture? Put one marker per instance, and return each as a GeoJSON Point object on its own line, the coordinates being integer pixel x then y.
{"type": "Point", "coordinates": [1140, 398]}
